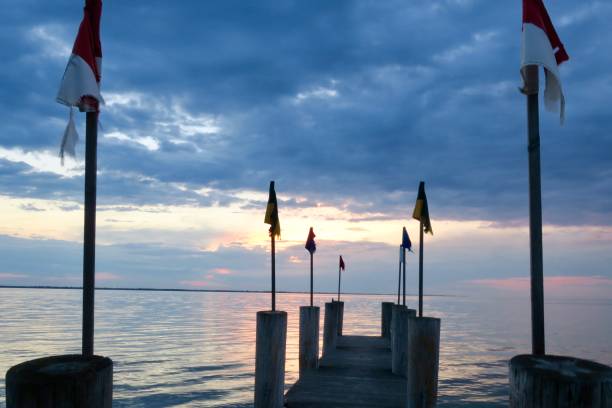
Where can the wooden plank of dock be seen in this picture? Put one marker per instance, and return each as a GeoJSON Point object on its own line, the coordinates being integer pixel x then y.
{"type": "Point", "coordinates": [356, 374]}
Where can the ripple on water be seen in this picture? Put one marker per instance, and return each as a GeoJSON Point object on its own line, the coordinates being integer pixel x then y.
{"type": "Point", "coordinates": [194, 349]}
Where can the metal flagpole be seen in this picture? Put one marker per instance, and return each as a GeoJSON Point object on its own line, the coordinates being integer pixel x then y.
{"type": "Point", "coordinates": [399, 277]}
{"type": "Point", "coordinates": [404, 262]}
{"type": "Point", "coordinates": [311, 279]}
{"type": "Point", "coordinates": [535, 211]}
{"type": "Point", "coordinates": [89, 233]}
{"type": "Point", "coordinates": [421, 268]}
{"type": "Point", "coordinates": [339, 274]}
{"type": "Point", "coordinates": [273, 275]}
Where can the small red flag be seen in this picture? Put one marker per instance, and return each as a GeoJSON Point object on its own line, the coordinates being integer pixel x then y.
{"type": "Point", "coordinates": [341, 263]}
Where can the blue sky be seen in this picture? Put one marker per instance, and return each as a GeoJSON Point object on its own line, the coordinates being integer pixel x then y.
{"type": "Point", "coordinates": [346, 104]}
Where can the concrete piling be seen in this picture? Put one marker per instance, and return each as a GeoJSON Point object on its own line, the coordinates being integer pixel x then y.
{"type": "Point", "coordinates": [559, 381]}
{"type": "Point", "coordinates": [61, 381]}
{"type": "Point", "coordinates": [423, 361]}
{"type": "Point", "coordinates": [399, 338]}
{"type": "Point", "coordinates": [330, 326]}
{"type": "Point", "coordinates": [309, 337]}
{"type": "Point", "coordinates": [271, 343]}
{"type": "Point", "coordinates": [385, 321]}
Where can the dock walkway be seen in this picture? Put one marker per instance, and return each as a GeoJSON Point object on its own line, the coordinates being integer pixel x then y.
{"type": "Point", "coordinates": [356, 374]}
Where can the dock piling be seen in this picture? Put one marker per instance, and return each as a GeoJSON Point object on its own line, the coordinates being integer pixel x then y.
{"type": "Point", "coordinates": [61, 381]}
{"type": "Point", "coordinates": [330, 327]}
{"type": "Point", "coordinates": [555, 381]}
{"type": "Point", "coordinates": [399, 339]}
{"type": "Point", "coordinates": [340, 317]}
{"type": "Point", "coordinates": [309, 337]}
{"type": "Point", "coordinates": [385, 321]}
{"type": "Point", "coordinates": [423, 361]}
{"type": "Point", "coordinates": [271, 343]}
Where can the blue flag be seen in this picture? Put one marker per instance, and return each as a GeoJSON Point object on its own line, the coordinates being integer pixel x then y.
{"type": "Point", "coordinates": [310, 242]}
{"type": "Point", "coordinates": [406, 240]}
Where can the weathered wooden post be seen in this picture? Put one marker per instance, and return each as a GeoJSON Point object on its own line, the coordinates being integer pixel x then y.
{"type": "Point", "coordinates": [340, 317]}
{"type": "Point", "coordinates": [271, 341]}
{"type": "Point", "coordinates": [399, 338]}
{"type": "Point", "coordinates": [309, 337]}
{"type": "Point", "coordinates": [61, 381]}
{"type": "Point", "coordinates": [385, 320]}
{"type": "Point", "coordinates": [558, 381]}
{"type": "Point", "coordinates": [330, 327]}
{"type": "Point", "coordinates": [423, 361]}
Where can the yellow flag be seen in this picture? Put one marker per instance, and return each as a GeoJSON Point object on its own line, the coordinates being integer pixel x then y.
{"type": "Point", "coordinates": [272, 213]}
{"type": "Point", "coordinates": [421, 210]}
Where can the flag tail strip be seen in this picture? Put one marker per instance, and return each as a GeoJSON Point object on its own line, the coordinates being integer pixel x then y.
{"type": "Point", "coordinates": [70, 138]}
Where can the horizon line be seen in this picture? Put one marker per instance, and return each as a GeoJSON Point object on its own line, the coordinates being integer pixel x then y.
{"type": "Point", "coordinates": [214, 290]}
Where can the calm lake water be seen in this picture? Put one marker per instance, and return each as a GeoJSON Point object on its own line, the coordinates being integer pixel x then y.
{"type": "Point", "coordinates": [194, 349]}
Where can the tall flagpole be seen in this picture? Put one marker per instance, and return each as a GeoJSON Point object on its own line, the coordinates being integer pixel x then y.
{"type": "Point", "coordinates": [404, 259]}
{"type": "Point", "coordinates": [421, 268]}
{"type": "Point", "coordinates": [89, 233]}
{"type": "Point", "coordinates": [535, 211]}
{"type": "Point", "coordinates": [311, 279]}
{"type": "Point", "coordinates": [399, 277]}
{"type": "Point", "coordinates": [273, 262]}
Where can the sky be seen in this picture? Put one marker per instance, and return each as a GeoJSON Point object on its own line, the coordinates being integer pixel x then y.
{"type": "Point", "coordinates": [347, 105]}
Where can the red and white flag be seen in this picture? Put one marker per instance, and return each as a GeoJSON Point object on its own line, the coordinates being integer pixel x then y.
{"type": "Point", "coordinates": [81, 82]}
{"type": "Point", "coordinates": [542, 47]}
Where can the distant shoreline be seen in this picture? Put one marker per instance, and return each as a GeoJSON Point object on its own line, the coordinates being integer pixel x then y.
{"type": "Point", "coordinates": [216, 290]}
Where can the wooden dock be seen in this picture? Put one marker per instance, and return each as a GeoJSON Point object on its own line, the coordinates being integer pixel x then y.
{"type": "Point", "coordinates": [356, 374]}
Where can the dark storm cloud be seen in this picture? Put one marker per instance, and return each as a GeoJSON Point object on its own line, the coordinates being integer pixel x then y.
{"type": "Point", "coordinates": [347, 103]}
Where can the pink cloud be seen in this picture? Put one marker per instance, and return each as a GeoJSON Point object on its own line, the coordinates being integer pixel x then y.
{"type": "Point", "coordinates": [572, 286]}
{"type": "Point", "coordinates": [195, 284]}
{"type": "Point", "coordinates": [107, 276]}
{"type": "Point", "coordinates": [549, 281]}
{"type": "Point", "coordinates": [12, 275]}
{"type": "Point", "coordinates": [222, 271]}
{"type": "Point", "coordinates": [294, 259]}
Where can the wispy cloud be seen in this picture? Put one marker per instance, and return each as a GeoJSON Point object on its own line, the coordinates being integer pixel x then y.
{"type": "Point", "coordinates": [479, 43]}
{"type": "Point", "coordinates": [107, 276]}
{"type": "Point", "coordinates": [42, 161]}
{"type": "Point", "coordinates": [5, 275]}
{"type": "Point", "coordinates": [584, 12]}
{"type": "Point", "coordinates": [51, 41]}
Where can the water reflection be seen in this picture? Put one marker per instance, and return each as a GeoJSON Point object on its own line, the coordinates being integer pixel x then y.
{"type": "Point", "coordinates": [197, 349]}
